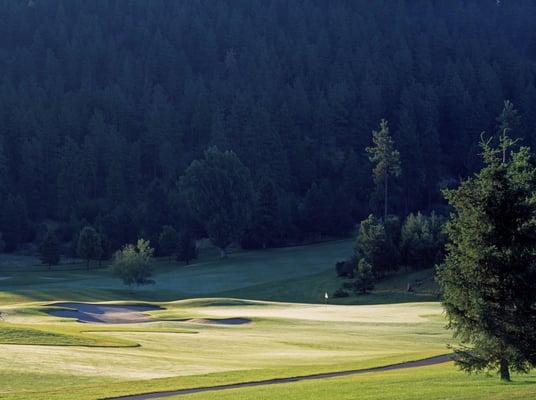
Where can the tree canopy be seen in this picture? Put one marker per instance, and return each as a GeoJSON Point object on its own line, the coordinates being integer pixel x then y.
{"type": "Point", "coordinates": [132, 264]}
{"type": "Point", "coordinates": [219, 191]}
{"type": "Point", "coordinates": [490, 268]}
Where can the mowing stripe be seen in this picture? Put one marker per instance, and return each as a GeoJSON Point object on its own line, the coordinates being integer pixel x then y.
{"type": "Point", "coordinates": [409, 364]}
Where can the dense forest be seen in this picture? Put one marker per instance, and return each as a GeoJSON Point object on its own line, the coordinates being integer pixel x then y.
{"type": "Point", "coordinates": [104, 105]}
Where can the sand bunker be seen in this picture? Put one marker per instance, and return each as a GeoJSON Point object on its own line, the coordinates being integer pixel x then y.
{"type": "Point", "coordinates": [104, 313]}
{"type": "Point", "coordinates": [222, 321]}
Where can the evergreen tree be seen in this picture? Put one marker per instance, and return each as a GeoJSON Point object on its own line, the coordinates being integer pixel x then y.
{"type": "Point", "coordinates": [509, 120]}
{"type": "Point", "coordinates": [2, 243]}
{"type": "Point", "coordinates": [168, 241]}
{"type": "Point", "coordinates": [14, 222]}
{"type": "Point", "coordinates": [266, 215]}
{"type": "Point", "coordinates": [386, 159]}
{"type": "Point", "coordinates": [186, 248]}
{"type": "Point", "coordinates": [219, 192]}
{"type": "Point", "coordinates": [488, 274]}
{"type": "Point", "coordinates": [375, 247]}
{"type": "Point", "coordinates": [364, 277]}
{"type": "Point", "coordinates": [50, 250]}
{"type": "Point", "coordinates": [89, 245]}
{"type": "Point", "coordinates": [422, 240]}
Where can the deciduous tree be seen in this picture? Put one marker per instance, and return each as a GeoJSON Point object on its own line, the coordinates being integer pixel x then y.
{"type": "Point", "coordinates": [132, 264]}
{"type": "Point", "coordinates": [219, 192]}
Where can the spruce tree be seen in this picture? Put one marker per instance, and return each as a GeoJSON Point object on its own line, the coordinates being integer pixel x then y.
{"type": "Point", "coordinates": [50, 250]}
{"type": "Point", "coordinates": [168, 241]}
{"type": "Point", "coordinates": [364, 278]}
{"type": "Point", "coordinates": [186, 248]}
{"type": "Point", "coordinates": [89, 246]}
{"type": "Point", "coordinates": [266, 219]}
{"type": "Point", "coordinates": [386, 160]}
{"type": "Point", "coordinates": [488, 275]}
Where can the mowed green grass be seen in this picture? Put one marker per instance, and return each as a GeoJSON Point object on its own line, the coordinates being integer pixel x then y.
{"type": "Point", "coordinates": [440, 382]}
{"type": "Point", "coordinates": [291, 333]}
{"type": "Point", "coordinates": [208, 276]}
{"type": "Point", "coordinates": [294, 274]}
{"type": "Point", "coordinates": [283, 339]}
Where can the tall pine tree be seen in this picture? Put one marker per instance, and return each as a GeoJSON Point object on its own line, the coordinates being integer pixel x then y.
{"type": "Point", "coordinates": [490, 268]}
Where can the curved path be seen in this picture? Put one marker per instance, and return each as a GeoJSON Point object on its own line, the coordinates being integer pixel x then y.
{"type": "Point", "coordinates": [409, 364]}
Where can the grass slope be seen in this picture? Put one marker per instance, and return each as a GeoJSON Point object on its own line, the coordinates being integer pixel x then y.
{"type": "Point", "coordinates": [46, 357]}
{"type": "Point", "coordinates": [284, 339]}
{"type": "Point", "coordinates": [432, 383]}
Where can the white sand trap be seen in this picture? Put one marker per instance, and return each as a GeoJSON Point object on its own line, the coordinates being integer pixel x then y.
{"type": "Point", "coordinates": [104, 313]}
{"type": "Point", "coordinates": [3, 278]}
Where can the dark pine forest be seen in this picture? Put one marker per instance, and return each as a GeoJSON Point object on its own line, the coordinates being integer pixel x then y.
{"type": "Point", "coordinates": [105, 104]}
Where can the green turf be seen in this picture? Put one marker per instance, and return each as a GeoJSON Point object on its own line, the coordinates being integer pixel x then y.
{"type": "Point", "coordinates": [55, 336]}
{"type": "Point", "coordinates": [283, 339]}
{"type": "Point", "coordinates": [440, 382]}
{"type": "Point", "coordinates": [206, 277]}
{"type": "Point", "coordinates": [45, 357]}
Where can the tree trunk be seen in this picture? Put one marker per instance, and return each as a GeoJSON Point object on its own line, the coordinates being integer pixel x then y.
{"type": "Point", "coordinates": [87, 264]}
{"type": "Point", "coordinates": [505, 371]}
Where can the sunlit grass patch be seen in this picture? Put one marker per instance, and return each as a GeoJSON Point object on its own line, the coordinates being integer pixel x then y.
{"type": "Point", "coordinates": [55, 336]}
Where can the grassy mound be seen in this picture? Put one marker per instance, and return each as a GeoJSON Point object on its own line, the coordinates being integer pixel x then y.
{"type": "Point", "coordinates": [55, 336]}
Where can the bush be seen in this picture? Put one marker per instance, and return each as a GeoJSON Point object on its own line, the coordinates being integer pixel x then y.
{"type": "Point", "coordinates": [345, 268]}
{"type": "Point", "coordinates": [186, 248]}
{"type": "Point", "coordinates": [422, 241]}
{"type": "Point", "coordinates": [364, 281]}
{"type": "Point", "coordinates": [132, 264]}
{"type": "Point", "coordinates": [168, 241]}
{"type": "Point", "coordinates": [50, 250]}
{"type": "Point", "coordinates": [375, 247]}
{"type": "Point", "coordinates": [348, 285]}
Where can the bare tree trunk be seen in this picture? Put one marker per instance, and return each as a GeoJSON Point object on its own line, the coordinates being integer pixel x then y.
{"type": "Point", "coordinates": [505, 370]}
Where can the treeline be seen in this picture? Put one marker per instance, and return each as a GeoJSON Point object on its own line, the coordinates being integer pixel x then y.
{"type": "Point", "coordinates": [104, 106]}
{"type": "Point", "coordinates": [382, 248]}
{"type": "Point", "coordinates": [386, 245]}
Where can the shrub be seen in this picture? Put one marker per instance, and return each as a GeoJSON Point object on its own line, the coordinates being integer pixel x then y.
{"type": "Point", "coordinates": [50, 250]}
{"type": "Point", "coordinates": [348, 285]}
{"type": "Point", "coordinates": [345, 268]}
{"type": "Point", "coordinates": [375, 247]}
{"type": "Point", "coordinates": [132, 264]}
{"type": "Point", "coordinates": [364, 281]}
{"type": "Point", "coordinates": [422, 240]}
